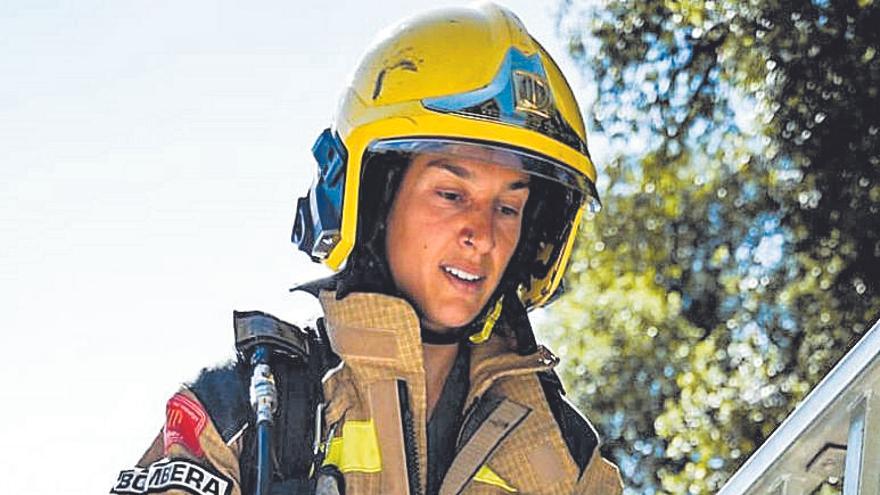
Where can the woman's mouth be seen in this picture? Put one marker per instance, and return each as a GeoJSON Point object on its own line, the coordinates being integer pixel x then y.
{"type": "Point", "coordinates": [464, 279]}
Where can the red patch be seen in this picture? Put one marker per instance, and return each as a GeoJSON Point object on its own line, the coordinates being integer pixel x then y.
{"type": "Point", "coordinates": [184, 421]}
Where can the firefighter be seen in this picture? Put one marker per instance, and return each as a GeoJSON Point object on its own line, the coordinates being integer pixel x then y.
{"type": "Point", "coordinates": [447, 198]}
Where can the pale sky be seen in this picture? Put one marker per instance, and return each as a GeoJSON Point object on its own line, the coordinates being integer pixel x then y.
{"type": "Point", "coordinates": [150, 158]}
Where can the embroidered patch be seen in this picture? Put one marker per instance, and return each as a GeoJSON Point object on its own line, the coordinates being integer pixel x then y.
{"type": "Point", "coordinates": [184, 421]}
{"type": "Point", "coordinates": [166, 475]}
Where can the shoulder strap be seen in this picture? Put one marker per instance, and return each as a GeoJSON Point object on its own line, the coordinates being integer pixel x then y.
{"type": "Point", "coordinates": [500, 421]}
{"type": "Point", "coordinates": [223, 391]}
{"type": "Point", "coordinates": [225, 394]}
{"type": "Point", "coordinates": [300, 391]}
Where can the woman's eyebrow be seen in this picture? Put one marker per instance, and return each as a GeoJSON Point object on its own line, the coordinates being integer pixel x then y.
{"type": "Point", "coordinates": [464, 173]}
{"type": "Point", "coordinates": [454, 169]}
{"type": "Point", "coordinates": [520, 184]}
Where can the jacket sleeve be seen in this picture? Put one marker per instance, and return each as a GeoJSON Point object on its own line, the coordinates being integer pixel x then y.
{"type": "Point", "coordinates": [188, 456]}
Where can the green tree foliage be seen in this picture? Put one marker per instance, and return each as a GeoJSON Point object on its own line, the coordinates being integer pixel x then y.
{"type": "Point", "coordinates": [738, 254]}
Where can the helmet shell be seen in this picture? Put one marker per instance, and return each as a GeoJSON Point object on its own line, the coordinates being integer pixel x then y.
{"type": "Point", "coordinates": [469, 73]}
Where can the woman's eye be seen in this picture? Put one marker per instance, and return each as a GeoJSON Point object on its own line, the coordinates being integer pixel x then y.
{"type": "Point", "coordinates": [449, 195]}
{"type": "Point", "coordinates": [509, 211]}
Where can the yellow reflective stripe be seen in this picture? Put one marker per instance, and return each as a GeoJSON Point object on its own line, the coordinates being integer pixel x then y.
{"type": "Point", "coordinates": [357, 450]}
{"type": "Point", "coordinates": [483, 335]}
{"type": "Point", "coordinates": [486, 475]}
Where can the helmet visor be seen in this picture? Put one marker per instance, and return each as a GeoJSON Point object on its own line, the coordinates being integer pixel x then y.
{"type": "Point", "coordinates": [530, 163]}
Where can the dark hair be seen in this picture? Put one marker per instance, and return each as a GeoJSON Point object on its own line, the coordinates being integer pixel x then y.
{"type": "Point", "coordinates": [367, 268]}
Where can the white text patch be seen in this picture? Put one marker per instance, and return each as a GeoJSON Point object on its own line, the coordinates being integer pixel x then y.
{"type": "Point", "coordinates": [166, 475]}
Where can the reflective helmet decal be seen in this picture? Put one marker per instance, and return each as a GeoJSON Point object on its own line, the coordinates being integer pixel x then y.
{"type": "Point", "coordinates": [518, 95]}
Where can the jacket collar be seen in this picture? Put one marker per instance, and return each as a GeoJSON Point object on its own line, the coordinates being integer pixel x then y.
{"type": "Point", "coordinates": [374, 333]}
{"type": "Point", "coordinates": [496, 358]}
{"type": "Point", "coordinates": [379, 337]}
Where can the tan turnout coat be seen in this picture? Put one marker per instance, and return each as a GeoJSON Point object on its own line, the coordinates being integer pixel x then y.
{"type": "Point", "coordinates": [518, 448]}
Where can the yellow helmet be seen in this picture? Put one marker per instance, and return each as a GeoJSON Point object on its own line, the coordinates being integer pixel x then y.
{"type": "Point", "coordinates": [470, 75]}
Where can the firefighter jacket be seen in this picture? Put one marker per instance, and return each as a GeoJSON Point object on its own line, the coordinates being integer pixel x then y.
{"type": "Point", "coordinates": [517, 436]}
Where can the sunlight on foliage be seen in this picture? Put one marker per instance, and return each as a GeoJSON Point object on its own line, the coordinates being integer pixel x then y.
{"type": "Point", "coordinates": [737, 256]}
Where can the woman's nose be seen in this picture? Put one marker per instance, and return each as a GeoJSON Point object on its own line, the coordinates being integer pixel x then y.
{"type": "Point", "coordinates": [477, 232]}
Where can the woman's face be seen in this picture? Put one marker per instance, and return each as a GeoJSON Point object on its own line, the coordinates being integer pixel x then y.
{"type": "Point", "coordinates": [452, 229]}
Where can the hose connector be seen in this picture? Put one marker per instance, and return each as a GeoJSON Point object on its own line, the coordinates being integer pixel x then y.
{"type": "Point", "coordinates": [264, 394]}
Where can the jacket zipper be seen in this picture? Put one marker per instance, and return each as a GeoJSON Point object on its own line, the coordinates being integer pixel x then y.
{"type": "Point", "coordinates": [409, 440]}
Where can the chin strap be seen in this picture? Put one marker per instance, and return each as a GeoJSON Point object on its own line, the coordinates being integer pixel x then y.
{"type": "Point", "coordinates": [515, 317]}
{"type": "Point", "coordinates": [484, 334]}
{"type": "Point", "coordinates": [432, 337]}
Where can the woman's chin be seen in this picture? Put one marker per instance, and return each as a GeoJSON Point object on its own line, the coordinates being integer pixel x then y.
{"type": "Point", "coordinates": [447, 323]}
